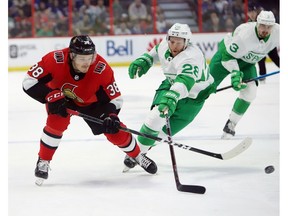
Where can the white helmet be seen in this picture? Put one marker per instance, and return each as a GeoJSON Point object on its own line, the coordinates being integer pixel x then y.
{"type": "Point", "coordinates": [266, 18]}
{"type": "Point", "coordinates": [181, 31]}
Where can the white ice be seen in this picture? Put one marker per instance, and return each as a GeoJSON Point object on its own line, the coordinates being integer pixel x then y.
{"type": "Point", "coordinates": [86, 177]}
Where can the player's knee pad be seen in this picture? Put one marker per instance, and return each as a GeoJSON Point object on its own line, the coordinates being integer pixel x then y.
{"type": "Point", "coordinates": [249, 93]}
{"type": "Point", "coordinates": [154, 121]}
{"type": "Point", "coordinates": [144, 140]}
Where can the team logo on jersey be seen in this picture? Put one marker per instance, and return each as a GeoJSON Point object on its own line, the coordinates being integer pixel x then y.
{"type": "Point", "coordinates": [68, 90]}
{"type": "Point", "coordinates": [253, 57]}
{"type": "Point", "coordinates": [100, 67]}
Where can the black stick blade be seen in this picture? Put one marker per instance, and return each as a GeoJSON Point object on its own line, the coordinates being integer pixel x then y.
{"type": "Point", "coordinates": [191, 189]}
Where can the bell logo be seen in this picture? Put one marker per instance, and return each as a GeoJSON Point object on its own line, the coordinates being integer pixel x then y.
{"type": "Point", "coordinates": [124, 49]}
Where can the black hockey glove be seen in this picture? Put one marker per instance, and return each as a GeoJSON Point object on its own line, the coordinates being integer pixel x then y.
{"type": "Point", "coordinates": [56, 103]}
{"type": "Point", "coordinates": [111, 124]}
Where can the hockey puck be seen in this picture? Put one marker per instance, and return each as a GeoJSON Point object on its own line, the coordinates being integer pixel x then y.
{"type": "Point", "coordinates": [269, 169]}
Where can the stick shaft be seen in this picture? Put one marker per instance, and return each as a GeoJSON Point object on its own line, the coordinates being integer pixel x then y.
{"type": "Point", "coordinates": [223, 156]}
{"type": "Point", "coordinates": [250, 80]}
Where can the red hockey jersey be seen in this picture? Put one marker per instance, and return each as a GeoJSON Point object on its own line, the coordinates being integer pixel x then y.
{"type": "Point", "coordinates": [55, 71]}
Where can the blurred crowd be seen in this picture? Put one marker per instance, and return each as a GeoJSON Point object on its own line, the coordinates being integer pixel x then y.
{"type": "Point", "coordinates": [222, 15]}
{"type": "Point", "coordinates": [53, 18]}
{"type": "Point", "coordinates": [19, 18]}
{"type": "Point", "coordinates": [226, 15]}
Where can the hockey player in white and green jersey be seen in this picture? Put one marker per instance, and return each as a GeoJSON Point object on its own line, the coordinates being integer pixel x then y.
{"type": "Point", "coordinates": [186, 87]}
{"type": "Point", "coordinates": [237, 55]}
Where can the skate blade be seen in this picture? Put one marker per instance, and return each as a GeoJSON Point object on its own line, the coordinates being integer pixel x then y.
{"type": "Point", "coordinates": [226, 136]}
{"type": "Point", "coordinates": [125, 169]}
{"type": "Point", "coordinates": [39, 181]}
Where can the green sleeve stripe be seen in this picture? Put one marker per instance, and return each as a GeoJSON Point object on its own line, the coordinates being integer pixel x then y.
{"type": "Point", "coordinates": [186, 80]}
{"type": "Point", "coordinates": [225, 55]}
{"type": "Point", "coordinates": [156, 47]}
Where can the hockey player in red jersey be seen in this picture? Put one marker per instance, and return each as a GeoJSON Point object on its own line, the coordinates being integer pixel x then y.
{"type": "Point", "coordinates": [78, 78]}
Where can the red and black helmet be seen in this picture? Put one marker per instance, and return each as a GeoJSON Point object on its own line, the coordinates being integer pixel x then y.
{"type": "Point", "coordinates": [82, 45]}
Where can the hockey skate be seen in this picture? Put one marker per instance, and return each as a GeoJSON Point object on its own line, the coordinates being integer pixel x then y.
{"type": "Point", "coordinates": [228, 130]}
{"type": "Point", "coordinates": [129, 163]}
{"type": "Point", "coordinates": [41, 171]}
{"type": "Point", "coordinates": [142, 160]}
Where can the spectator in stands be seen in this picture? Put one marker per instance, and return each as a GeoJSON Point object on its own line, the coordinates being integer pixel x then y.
{"type": "Point", "coordinates": [89, 9]}
{"type": "Point", "coordinates": [220, 6]}
{"type": "Point", "coordinates": [238, 12]}
{"type": "Point", "coordinates": [77, 4]}
{"type": "Point", "coordinates": [101, 11]}
{"type": "Point", "coordinates": [58, 9]}
{"type": "Point", "coordinates": [44, 17]}
{"type": "Point", "coordinates": [51, 18]}
{"type": "Point", "coordinates": [61, 27]}
{"type": "Point", "coordinates": [41, 7]}
{"type": "Point", "coordinates": [146, 25]}
{"type": "Point", "coordinates": [46, 30]}
{"type": "Point", "coordinates": [137, 10]}
{"type": "Point", "coordinates": [84, 25]}
{"type": "Point", "coordinates": [11, 27]}
{"type": "Point", "coordinates": [122, 29]}
{"type": "Point", "coordinates": [22, 28]}
{"type": "Point", "coordinates": [162, 25]}
{"type": "Point", "coordinates": [117, 10]}
{"type": "Point", "coordinates": [228, 13]}
{"type": "Point", "coordinates": [229, 25]}
{"type": "Point", "coordinates": [207, 7]}
{"type": "Point", "coordinates": [26, 7]}
{"type": "Point", "coordinates": [143, 26]}
{"type": "Point", "coordinates": [19, 19]}
{"type": "Point", "coordinates": [135, 27]}
{"type": "Point", "coordinates": [213, 24]}
{"type": "Point", "coordinates": [194, 10]}
{"type": "Point", "coordinates": [100, 27]}
{"type": "Point", "coordinates": [124, 18]}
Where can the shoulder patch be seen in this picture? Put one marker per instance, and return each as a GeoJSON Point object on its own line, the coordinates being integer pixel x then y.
{"type": "Point", "coordinates": [59, 56]}
{"type": "Point", "coordinates": [100, 67]}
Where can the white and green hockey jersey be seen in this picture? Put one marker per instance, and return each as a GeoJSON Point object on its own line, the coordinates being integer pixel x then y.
{"type": "Point", "coordinates": [244, 44]}
{"type": "Point", "coordinates": [190, 63]}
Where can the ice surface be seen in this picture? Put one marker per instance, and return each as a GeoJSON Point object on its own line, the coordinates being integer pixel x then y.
{"type": "Point", "coordinates": [86, 177]}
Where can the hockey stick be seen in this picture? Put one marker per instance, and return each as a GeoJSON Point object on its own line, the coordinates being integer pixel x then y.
{"type": "Point", "coordinates": [180, 187]}
{"type": "Point", "coordinates": [224, 156]}
{"type": "Point", "coordinates": [250, 80]}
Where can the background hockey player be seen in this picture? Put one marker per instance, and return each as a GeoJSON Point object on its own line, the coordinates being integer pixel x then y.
{"type": "Point", "coordinates": [253, 11]}
{"type": "Point", "coordinates": [182, 93]}
{"type": "Point", "coordinates": [78, 78]}
{"type": "Point", "coordinates": [237, 55]}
